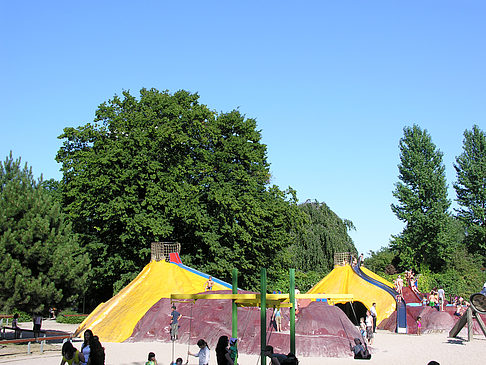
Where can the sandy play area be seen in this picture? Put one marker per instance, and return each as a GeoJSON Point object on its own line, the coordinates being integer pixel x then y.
{"type": "Point", "coordinates": [388, 348]}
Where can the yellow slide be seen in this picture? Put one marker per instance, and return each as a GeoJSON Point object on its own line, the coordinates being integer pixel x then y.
{"type": "Point", "coordinates": [115, 320]}
{"type": "Point", "coordinates": [343, 280]}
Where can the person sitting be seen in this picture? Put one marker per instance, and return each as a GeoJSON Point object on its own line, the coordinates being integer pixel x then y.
{"type": "Point", "coordinates": [275, 359]}
{"type": "Point", "coordinates": [290, 360]}
{"type": "Point", "coordinates": [359, 351]}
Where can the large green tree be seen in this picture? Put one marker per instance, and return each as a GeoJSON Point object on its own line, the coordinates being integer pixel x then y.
{"type": "Point", "coordinates": [164, 167]}
{"type": "Point", "coordinates": [471, 189]}
{"type": "Point", "coordinates": [322, 234]}
{"type": "Point", "coordinates": [422, 203]}
{"type": "Point", "coordinates": [40, 257]}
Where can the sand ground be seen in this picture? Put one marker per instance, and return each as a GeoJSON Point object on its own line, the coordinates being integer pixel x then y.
{"type": "Point", "coordinates": [388, 348]}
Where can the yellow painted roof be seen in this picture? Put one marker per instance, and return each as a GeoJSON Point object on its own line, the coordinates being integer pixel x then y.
{"type": "Point", "coordinates": [115, 320]}
{"type": "Point", "coordinates": [343, 280]}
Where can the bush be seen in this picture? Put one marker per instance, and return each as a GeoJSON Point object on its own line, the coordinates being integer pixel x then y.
{"type": "Point", "coordinates": [61, 318]}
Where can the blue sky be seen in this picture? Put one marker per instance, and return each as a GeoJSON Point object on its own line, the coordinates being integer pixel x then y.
{"type": "Point", "coordinates": [331, 84]}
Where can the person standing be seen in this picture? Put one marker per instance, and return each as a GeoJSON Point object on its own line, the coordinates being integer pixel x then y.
{"type": "Point", "coordinates": [361, 260]}
{"type": "Point", "coordinates": [85, 347]}
{"type": "Point", "coordinates": [369, 327]}
{"type": "Point", "coordinates": [373, 314]}
{"type": "Point", "coordinates": [174, 323]}
{"type": "Point", "coordinates": [483, 291]}
{"type": "Point", "coordinates": [203, 353]}
{"type": "Point", "coordinates": [37, 324]}
{"type": "Point", "coordinates": [15, 324]}
{"type": "Point", "coordinates": [441, 294]}
{"type": "Point", "coordinates": [208, 286]}
{"type": "Point", "coordinates": [277, 318]}
{"type": "Point", "coordinates": [222, 352]}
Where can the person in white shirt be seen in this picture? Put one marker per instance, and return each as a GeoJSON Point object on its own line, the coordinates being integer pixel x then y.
{"type": "Point", "coordinates": [373, 314]}
{"type": "Point", "coordinates": [203, 353]}
{"type": "Point", "coordinates": [369, 327]}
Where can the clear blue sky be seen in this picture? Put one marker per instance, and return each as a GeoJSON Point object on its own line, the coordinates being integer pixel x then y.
{"type": "Point", "coordinates": [331, 84]}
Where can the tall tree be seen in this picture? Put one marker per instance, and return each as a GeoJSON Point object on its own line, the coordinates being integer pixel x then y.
{"type": "Point", "coordinates": [422, 202]}
{"type": "Point", "coordinates": [322, 235]}
{"type": "Point", "coordinates": [471, 188]}
{"type": "Point", "coordinates": [40, 257]}
{"type": "Point", "coordinates": [167, 168]}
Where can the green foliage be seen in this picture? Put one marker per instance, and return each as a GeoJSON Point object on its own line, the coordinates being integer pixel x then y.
{"type": "Point", "coordinates": [23, 316]}
{"type": "Point", "coordinates": [382, 261]}
{"type": "Point", "coordinates": [61, 318]}
{"type": "Point", "coordinates": [41, 261]}
{"type": "Point", "coordinates": [166, 168]}
{"type": "Point", "coordinates": [471, 189]}
{"type": "Point", "coordinates": [422, 203]}
{"type": "Point", "coordinates": [319, 236]}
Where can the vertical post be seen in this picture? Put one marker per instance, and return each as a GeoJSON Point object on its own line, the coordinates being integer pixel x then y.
{"type": "Point", "coordinates": [263, 315]}
{"type": "Point", "coordinates": [292, 310]}
{"type": "Point", "coordinates": [470, 331]}
{"type": "Point", "coordinates": [234, 327]}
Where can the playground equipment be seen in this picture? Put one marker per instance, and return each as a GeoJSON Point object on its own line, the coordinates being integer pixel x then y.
{"type": "Point", "coordinates": [263, 300]}
{"type": "Point", "coordinates": [478, 306]}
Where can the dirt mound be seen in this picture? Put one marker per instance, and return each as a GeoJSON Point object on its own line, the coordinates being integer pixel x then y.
{"type": "Point", "coordinates": [321, 330]}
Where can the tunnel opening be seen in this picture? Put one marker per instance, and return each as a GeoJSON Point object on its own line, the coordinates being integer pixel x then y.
{"type": "Point", "coordinates": [353, 310]}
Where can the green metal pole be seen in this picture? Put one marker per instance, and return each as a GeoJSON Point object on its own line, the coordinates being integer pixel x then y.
{"type": "Point", "coordinates": [292, 310]}
{"type": "Point", "coordinates": [234, 328]}
{"type": "Point", "coordinates": [263, 315]}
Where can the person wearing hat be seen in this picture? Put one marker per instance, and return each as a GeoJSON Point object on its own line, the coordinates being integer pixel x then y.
{"type": "Point", "coordinates": [174, 323]}
{"type": "Point", "coordinates": [233, 350]}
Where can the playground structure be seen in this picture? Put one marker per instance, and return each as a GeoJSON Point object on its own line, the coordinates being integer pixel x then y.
{"type": "Point", "coordinates": [478, 306]}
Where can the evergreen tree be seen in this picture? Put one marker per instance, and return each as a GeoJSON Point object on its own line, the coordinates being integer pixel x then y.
{"type": "Point", "coordinates": [167, 168]}
{"type": "Point", "coordinates": [471, 189]}
{"type": "Point", "coordinates": [422, 203]}
{"type": "Point", "coordinates": [40, 258]}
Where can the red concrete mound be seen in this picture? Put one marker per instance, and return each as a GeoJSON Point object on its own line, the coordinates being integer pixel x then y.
{"type": "Point", "coordinates": [321, 330]}
{"type": "Point", "coordinates": [432, 320]}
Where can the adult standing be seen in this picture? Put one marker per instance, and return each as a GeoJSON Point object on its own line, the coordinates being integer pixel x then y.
{"type": "Point", "coordinates": [222, 353]}
{"type": "Point", "coordinates": [37, 319]}
{"type": "Point", "coordinates": [85, 347]}
{"type": "Point", "coordinates": [174, 323]}
{"type": "Point", "coordinates": [483, 291]}
{"type": "Point", "coordinates": [373, 314]}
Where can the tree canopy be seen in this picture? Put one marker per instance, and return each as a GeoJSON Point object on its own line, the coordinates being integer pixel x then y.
{"type": "Point", "coordinates": [322, 234]}
{"type": "Point", "coordinates": [40, 257]}
{"type": "Point", "coordinates": [166, 168]}
{"type": "Point", "coordinates": [471, 188]}
{"type": "Point", "coordinates": [422, 202]}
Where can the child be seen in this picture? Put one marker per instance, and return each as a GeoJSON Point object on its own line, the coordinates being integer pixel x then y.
{"type": "Point", "coordinates": [362, 327]}
{"type": "Point", "coordinates": [177, 362]}
{"type": "Point", "coordinates": [151, 359]}
{"type": "Point", "coordinates": [419, 325]}
{"type": "Point", "coordinates": [233, 350]}
{"type": "Point", "coordinates": [203, 353]}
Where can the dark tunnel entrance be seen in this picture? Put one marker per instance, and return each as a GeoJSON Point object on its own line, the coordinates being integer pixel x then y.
{"type": "Point", "coordinates": [353, 310]}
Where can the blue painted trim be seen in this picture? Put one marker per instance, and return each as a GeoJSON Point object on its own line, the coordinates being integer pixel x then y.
{"type": "Point", "coordinates": [194, 271]}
